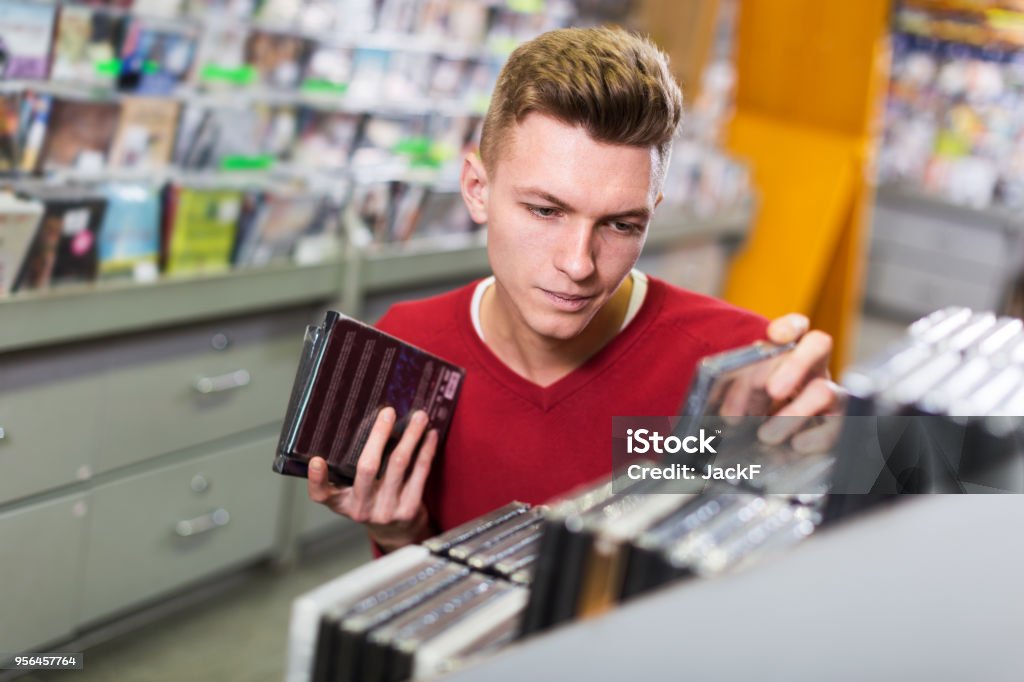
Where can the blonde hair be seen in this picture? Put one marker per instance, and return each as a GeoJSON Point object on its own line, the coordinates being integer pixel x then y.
{"type": "Point", "coordinates": [615, 85]}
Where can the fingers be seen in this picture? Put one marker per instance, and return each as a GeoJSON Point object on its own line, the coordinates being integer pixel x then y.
{"type": "Point", "coordinates": [788, 328]}
{"type": "Point", "coordinates": [316, 481]}
{"type": "Point", "coordinates": [820, 438]}
{"type": "Point", "coordinates": [399, 460]}
{"type": "Point", "coordinates": [369, 463]}
{"type": "Point", "coordinates": [809, 359]}
{"type": "Point", "coordinates": [412, 494]}
{"type": "Point", "coordinates": [818, 397]}
{"type": "Point", "coordinates": [321, 491]}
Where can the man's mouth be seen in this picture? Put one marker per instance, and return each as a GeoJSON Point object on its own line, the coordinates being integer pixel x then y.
{"type": "Point", "coordinates": [567, 302]}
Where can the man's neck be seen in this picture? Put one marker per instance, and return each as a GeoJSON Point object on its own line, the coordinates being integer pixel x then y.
{"type": "Point", "coordinates": [543, 360]}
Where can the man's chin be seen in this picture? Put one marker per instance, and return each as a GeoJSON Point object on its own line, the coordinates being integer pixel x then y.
{"type": "Point", "coordinates": [558, 328]}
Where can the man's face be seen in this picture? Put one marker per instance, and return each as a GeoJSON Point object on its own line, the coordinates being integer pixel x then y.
{"type": "Point", "coordinates": [566, 216]}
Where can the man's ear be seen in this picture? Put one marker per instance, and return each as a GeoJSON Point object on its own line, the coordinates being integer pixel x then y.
{"type": "Point", "coordinates": [658, 200]}
{"type": "Point", "coordinates": [473, 183]}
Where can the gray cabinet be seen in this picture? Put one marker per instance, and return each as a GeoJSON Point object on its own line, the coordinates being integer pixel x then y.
{"type": "Point", "coordinates": [926, 254]}
{"type": "Point", "coordinates": [138, 430]}
{"type": "Point", "coordinates": [49, 406]}
{"type": "Point", "coordinates": [158, 530]}
{"type": "Point", "coordinates": [40, 555]}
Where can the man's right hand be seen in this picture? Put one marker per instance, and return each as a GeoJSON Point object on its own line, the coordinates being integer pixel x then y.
{"type": "Point", "coordinates": [391, 507]}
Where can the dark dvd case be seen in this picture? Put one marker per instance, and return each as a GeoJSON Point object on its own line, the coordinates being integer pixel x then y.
{"type": "Point", "coordinates": [464, 550]}
{"type": "Point", "coordinates": [411, 581]}
{"type": "Point", "coordinates": [485, 559]}
{"type": "Point", "coordinates": [351, 372]}
{"type": "Point", "coordinates": [382, 661]}
{"type": "Point", "coordinates": [352, 630]}
{"type": "Point", "coordinates": [441, 544]}
{"type": "Point", "coordinates": [518, 566]}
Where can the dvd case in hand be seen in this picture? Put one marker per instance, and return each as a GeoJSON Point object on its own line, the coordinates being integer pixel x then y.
{"type": "Point", "coordinates": [348, 372]}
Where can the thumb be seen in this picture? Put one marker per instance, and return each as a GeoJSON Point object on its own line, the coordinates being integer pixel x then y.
{"type": "Point", "coordinates": [788, 328]}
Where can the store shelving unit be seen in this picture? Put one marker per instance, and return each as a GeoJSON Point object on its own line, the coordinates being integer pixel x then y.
{"type": "Point", "coordinates": [928, 252]}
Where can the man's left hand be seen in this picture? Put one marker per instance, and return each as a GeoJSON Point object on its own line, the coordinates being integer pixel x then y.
{"type": "Point", "coordinates": [800, 382]}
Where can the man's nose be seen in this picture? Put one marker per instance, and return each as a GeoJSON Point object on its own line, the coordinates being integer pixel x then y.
{"type": "Point", "coordinates": [575, 252]}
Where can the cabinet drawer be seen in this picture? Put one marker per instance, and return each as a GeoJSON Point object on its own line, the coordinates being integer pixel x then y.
{"type": "Point", "coordinates": [983, 242]}
{"type": "Point", "coordinates": [40, 556]}
{"type": "Point", "coordinates": [950, 266]}
{"type": "Point", "coordinates": [918, 293]}
{"type": "Point", "coordinates": [175, 390]}
{"type": "Point", "coordinates": [48, 413]}
{"type": "Point", "coordinates": [152, 532]}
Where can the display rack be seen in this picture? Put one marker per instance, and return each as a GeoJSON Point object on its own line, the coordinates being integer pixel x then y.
{"type": "Point", "coordinates": [36, 319]}
{"type": "Point", "coordinates": [916, 198]}
{"type": "Point", "coordinates": [926, 590]}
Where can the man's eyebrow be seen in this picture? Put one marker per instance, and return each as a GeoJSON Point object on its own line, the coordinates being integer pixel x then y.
{"type": "Point", "coordinates": [641, 212]}
{"type": "Point", "coordinates": [541, 194]}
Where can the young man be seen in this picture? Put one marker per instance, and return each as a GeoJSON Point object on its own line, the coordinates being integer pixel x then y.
{"type": "Point", "coordinates": [566, 334]}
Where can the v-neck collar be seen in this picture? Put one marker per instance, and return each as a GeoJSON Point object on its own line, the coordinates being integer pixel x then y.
{"type": "Point", "coordinates": [546, 397]}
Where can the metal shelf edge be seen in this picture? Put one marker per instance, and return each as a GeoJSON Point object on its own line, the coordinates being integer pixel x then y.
{"type": "Point", "coordinates": [91, 311]}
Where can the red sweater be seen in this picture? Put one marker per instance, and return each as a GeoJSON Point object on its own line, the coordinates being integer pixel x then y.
{"type": "Point", "coordinates": [511, 439]}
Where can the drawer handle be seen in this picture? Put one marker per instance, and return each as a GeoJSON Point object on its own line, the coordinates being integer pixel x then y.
{"type": "Point", "coordinates": [224, 382]}
{"type": "Point", "coordinates": [202, 524]}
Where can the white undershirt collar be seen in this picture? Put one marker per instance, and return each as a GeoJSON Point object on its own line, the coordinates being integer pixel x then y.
{"type": "Point", "coordinates": [636, 299]}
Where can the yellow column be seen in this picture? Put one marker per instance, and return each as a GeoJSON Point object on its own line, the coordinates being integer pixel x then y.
{"type": "Point", "coordinates": [811, 77]}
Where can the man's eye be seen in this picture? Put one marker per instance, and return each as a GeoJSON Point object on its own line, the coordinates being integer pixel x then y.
{"type": "Point", "coordinates": [543, 211]}
{"type": "Point", "coordinates": [626, 228]}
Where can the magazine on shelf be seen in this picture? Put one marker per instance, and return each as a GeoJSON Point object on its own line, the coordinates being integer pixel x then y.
{"type": "Point", "coordinates": [32, 126]}
{"type": "Point", "coordinates": [129, 245]}
{"type": "Point", "coordinates": [207, 9]}
{"type": "Point", "coordinates": [207, 135]}
{"type": "Point", "coordinates": [279, 58]}
{"type": "Point", "coordinates": [64, 250]}
{"type": "Point", "coordinates": [26, 33]}
{"type": "Point", "coordinates": [408, 204]}
{"type": "Point", "coordinates": [330, 69]}
{"type": "Point", "coordinates": [348, 372]}
{"type": "Point", "coordinates": [79, 134]}
{"type": "Point", "coordinates": [200, 229]}
{"type": "Point", "coordinates": [157, 8]}
{"type": "Point", "coordinates": [87, 46]}
{"type": "Point", "coordinates": [396, 16]}
{"type": "Point", "coordinates": [443, 212]}
{"type": "Point", "coordinates": [220, 56]}
{"type": "Point", "coordinates": [384, 138]}
{"type": "Point", "coordinates": [145, 134]}
{"type": "Point", "coordinates": [449, 78]}
{"type": "Point", "coordinates": [155, 60]}
{"type": "Point", "coordinates": [280, 221]}
{"type": "Point", "coordinates": [283, 13]}
{"type": "Point", "coordinates": [280, 130]}
{"type": "Point", "coordinates": [10, 137]}
{"type": "Point", "coordinates": [467, 22]}
{"type": "Point", "coordinates": [325, 139]}
{"type": "Point", "coordinates": [407, 76]}
{"type": "Point", "coordinates": [19, 220]}
{"type": "Point", "coordinates": [369, 69]}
